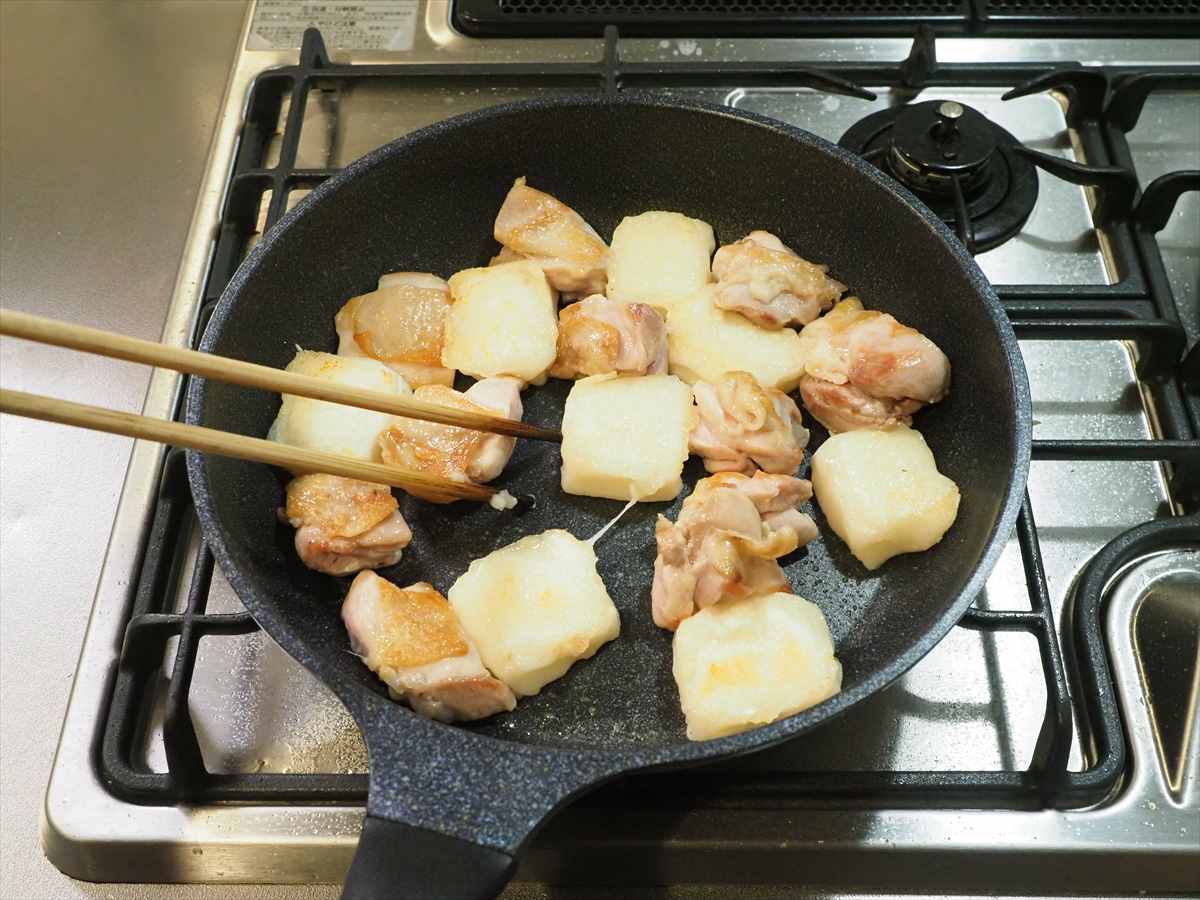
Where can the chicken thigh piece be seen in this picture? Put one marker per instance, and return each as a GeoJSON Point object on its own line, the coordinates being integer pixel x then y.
{"type": "Point", "coordinates": [597, 336]}
{"type": "Point", "coordinates": [770, 284]}
{"type": "Point", "coordinates": [863, 369]}
{"type": "Point", "coordinates": [411, 638]}
{"type": "Point", "coordinates": [343, 525]}
{"type": "Point", "coordinates": [460, 454]}
{"type": "Point", "coordinates": [725, 544]}
{"type": "Point", "coordinates": [541, 228]}
{"type": "Point", "coordinates": [401, 324]}
{"type": "Point", "coordinates": [743, 426]}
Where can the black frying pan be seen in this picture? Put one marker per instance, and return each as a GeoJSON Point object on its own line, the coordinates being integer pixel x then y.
{"type": "Point", "coordinates": [451, 806]}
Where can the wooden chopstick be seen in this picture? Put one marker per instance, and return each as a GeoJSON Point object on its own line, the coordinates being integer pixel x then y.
{"type": "Point", "coordinates": [247, 374]}
{"type": "Point", "coordinates": [210, 440]}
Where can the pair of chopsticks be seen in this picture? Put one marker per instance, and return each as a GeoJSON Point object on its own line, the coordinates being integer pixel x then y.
{"type": "Point", "coordinates": [234, 371]}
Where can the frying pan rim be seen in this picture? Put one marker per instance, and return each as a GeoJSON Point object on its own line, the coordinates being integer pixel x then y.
{"type": "Point", "coordinates": [357, 696]}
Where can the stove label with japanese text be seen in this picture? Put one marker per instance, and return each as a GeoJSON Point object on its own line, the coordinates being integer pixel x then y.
{"type": "Point", "coordinates": [345, 24]}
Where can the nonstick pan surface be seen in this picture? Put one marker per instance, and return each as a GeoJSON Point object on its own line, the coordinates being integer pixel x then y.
{"type": "Point", "coordinates": [463, 799]}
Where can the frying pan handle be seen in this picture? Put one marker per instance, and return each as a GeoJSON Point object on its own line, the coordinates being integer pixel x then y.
{"type": "Point", "coordinates": [400, 861]}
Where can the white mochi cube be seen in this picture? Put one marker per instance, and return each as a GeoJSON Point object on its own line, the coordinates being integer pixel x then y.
{"type": "Point", "coordinates": [534, 608]}
{"type": "Point", "coordinates": [626, 437]}
{"type": "Point", "coordinates": [882, 494]}
{"type": "Point", "coordinates": [332, 427]}
{"type": "Point", "coordinates": [745, 663]}
{"type": "Point", "coordinates": [704, 342]}
{"type": "Point", "coordinates": [503, 320]}
{"type": "Point", "coordinates": [659, 258]}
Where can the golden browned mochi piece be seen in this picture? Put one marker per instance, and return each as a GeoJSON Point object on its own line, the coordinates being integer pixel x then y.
{"type": "Point", "coordinates": [597, 336]}
{"type": "Point", "coordinates": [446, 451]}
{"type": "Point", "coordinates": [770, 284]}
{"type": "Point", "coordinates": [704, 342]}
{"type": "Point", "coordinates": [660, 258]}
{"type": "Point", "coordinates": [533, 225]}
{"type": "Point", "coordinates": [749, 662]}
{"type": "Point", "coordinates": [882, 494]}
{"type": "Point", "coordinates": [343, 525]}
{"type": "Point", "coordinates": [744, 426]}
{"type": "Point", "coordinates": [725, 544]}
{"type": "Point", "coordinates": [863, 369]}
{"type": "Point", "coordinates": [535, 607]}
{"type": "Point", "coordinates": [625, 436]}
{"type": "Point", "coordinates": [502, 321]}
{"type": "Point", "coordinates": [332, 427]}
{"type": "Point", "coordinates": [412, 640]}
{"type": "Point", "coordinates": [401, 324]}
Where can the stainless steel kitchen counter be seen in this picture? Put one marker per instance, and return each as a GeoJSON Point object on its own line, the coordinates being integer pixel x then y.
{"type": "Point", "coordinates": [106, 113]}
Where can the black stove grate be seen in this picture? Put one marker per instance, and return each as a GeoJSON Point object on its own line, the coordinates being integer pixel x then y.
{"type": "Point", "coordinates": [814, 18]}
{"type": "Point", "coordinates": [1140, 309]}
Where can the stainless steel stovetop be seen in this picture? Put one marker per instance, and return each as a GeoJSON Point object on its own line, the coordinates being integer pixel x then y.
{"type": "Point", "coordinates": [977, 703]}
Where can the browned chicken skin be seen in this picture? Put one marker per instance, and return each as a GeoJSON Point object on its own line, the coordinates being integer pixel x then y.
{"type": "Point", "coordinates": [460, 454]}
{"type": "Point", "coordinates": [597, 336]}
{"type": "Point", "coordinates": [343, 525]}
{"type": "Point", "coordinates": [401, 324]}
{"type": "Point", "coordinates": [725, 544]}
{"type": "Point", "coordinates": [863, 369]}
{"type": "Point", "coordinates": [411, 638]}
{"type": "Point", "coordinates": [744, 426]}
{"type": "Point", "coordinates": [770, 284]}
{"type": "Point", "coordinates": [536, 226]}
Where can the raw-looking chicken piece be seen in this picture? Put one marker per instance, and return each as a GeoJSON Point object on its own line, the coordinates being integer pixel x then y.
{"type": "Point", "coordinates": [536, 226]}
{"type": "Point", "coordinates": [411, 638]}
{"type": "Point", "coordinates": [343, 525]}
{"type": "Point", "coordinates": [597, 336]}
{"type": "Point", "coordinates": [744, 426]}
{"type": "Point", "coordinates": [769, 284]}
{"type": "Point", "coordinates": [725, 544]}
{"type": "Point", "coordinates": [400, 324]}
{"type": "Point", "coordinates": [863, 369]}
{"type": "Point", "coordinates": [446, 451]}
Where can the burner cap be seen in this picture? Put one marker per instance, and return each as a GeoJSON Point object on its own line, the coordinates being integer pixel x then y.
{"type": "Point", "coordinates": [930, 146]}
{"type": "Point", "coordinates": [935, 142]}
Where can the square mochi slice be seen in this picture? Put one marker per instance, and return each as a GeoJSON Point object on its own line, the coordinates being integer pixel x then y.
{"type": "Point", "coordinates": [332, 427]}
{"type": "Point", "coordinates": [503, 320]}
{"type": "Point", "coordinates": [659, 258]}
{"type": "Point", "coordinates": [534, 608]}
{"type": "Point", "coordinates": [704, 342]}
{"type": "Point", "coordinates": [626, 437]}
{"type": "Point", "coordinates": [745, 663]}
{"type": "Point", "coordinates": [882, 494]}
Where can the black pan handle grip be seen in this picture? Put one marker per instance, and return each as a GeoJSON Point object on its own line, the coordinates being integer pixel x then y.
{"type": "Point", "coordinates": [395, 861]}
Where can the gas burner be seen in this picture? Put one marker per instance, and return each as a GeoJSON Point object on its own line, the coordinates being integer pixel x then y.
{"type": "Point", "coordinates": [963, 166]}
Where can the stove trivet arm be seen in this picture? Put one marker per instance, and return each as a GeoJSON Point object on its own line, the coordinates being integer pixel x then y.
{"type": "Point", "coordinates": [1158, 200]}
{"type": "Point", "coordinates": [1086, 91]}
{"type": "Point", "coordinates": [921, 62]}
{"type": "Point", "coordinates": [1130, 93]}
{"type": "Point", "coordinates": [1115, 186]}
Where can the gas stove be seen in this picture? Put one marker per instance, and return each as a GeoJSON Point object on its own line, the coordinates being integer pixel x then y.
{"type": "Point", "coordinates": [1048, 745]}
